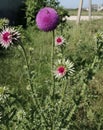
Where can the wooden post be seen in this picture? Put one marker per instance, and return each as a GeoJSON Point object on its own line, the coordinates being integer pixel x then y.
{"type": "Point", "coordinates": [79, 11]}
{"type": "Point", "coordinates": [90, 3]}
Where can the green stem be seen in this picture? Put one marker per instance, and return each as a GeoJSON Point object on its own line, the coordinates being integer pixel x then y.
{"type": "Point", "coordinates": [52, 75]}
{"type": "Point", "coordinates": [63, 96]}
{"type": "Point", "coordinates": [52, 63]}
{"type": "Point", "coordinates": [35, 100]}
{"type": "Point", "coordinates": [61, 28]}
{"type": "Point", "coordinates": [94, 61]}
{"type": "Point", "coordinates": [52, 52]}
{"type": "Point", "coordinates": [7, 127]}
{"type": "Point", "coordinates": [28, 68]}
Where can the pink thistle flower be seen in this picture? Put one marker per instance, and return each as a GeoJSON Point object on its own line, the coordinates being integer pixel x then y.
{"type": "Point", "coordinates": [63, 69]}
{"type": "Point", "coordinates": [47, 19]}
{"type": "Point", "coordinates": [8, 36]}
{"type": "Point", "coordinates": [59, 41]}
{"type": "Point", "coordinates": [5, 38]}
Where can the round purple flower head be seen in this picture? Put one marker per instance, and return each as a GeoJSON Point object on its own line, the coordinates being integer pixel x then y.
{"type": "Point", "coordinates": [47, 19]}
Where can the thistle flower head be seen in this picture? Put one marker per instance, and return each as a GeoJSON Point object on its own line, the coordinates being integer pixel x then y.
{"type": "Point", "coordinates": [47, 19]}
{"type": "Point", "coordinates": [63, 69]}
{"type": "Point", "coordinates": [8, 36]}
{"type": "Point", "coordinates": [59, 41]}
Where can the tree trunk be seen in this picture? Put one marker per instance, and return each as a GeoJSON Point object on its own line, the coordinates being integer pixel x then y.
{"type": "Point", "coordinates": [90, 3]}
{"type": "Point", "coordinates": [79, 11]}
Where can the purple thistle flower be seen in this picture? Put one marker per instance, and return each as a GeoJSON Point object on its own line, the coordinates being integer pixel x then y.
{"type": "Point", "coordinates": [47, 19]}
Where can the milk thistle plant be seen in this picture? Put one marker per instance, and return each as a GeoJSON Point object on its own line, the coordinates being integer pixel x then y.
{"type": "Point", "coordinates": [56, 110]}
{"type": "Point", "coordinates": [47, 20]}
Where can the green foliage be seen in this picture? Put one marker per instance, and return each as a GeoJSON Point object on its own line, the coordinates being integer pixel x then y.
{"type": "Point", "coordinates": [3, 22]}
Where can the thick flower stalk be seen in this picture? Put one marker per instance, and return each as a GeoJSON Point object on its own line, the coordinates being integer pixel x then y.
{"type": "Point", "coordinates": [9, 36]}
{"type": "Point", "coordinates": [47, 19]}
